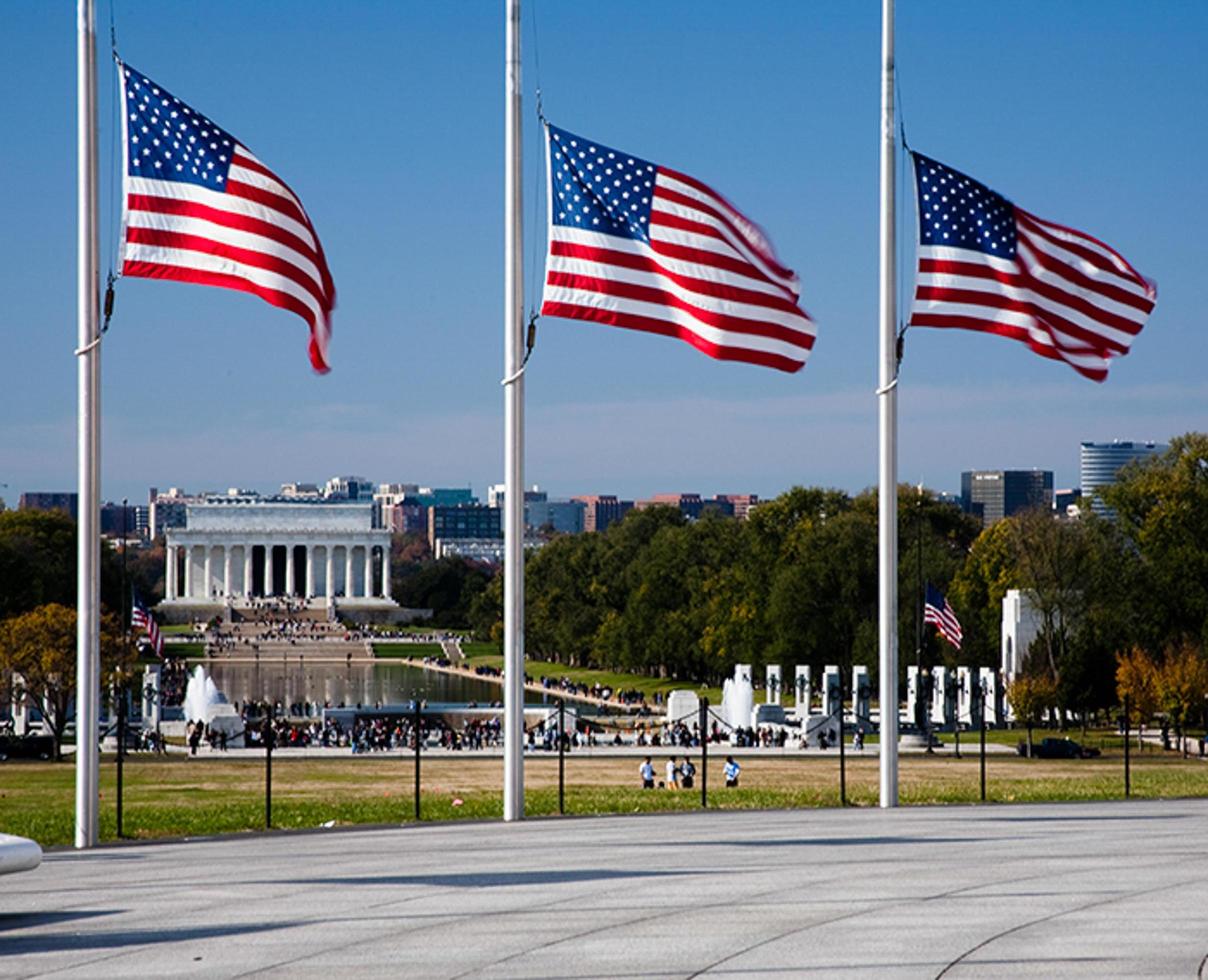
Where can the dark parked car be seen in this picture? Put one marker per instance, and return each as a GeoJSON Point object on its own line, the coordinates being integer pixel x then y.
{"type": "Point", "coordinates": [1058, 748]}
{"type": "Point", "coordinates": [26, 747]}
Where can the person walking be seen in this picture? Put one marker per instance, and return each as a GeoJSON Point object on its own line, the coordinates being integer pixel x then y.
{"type": "Point", "coordinates": [730, 772]}
{"type": "Point", "coordinates": [687, 774]}
{"type": "Point", "coordinates": [673, 774]}
{"type": "Point", "coordinates": [646, 770]}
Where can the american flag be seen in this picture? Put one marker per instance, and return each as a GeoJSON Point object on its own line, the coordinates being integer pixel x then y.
{"type": "Point", "coordinates": [936, 610]}
{"type": "Point", "coordinates": [636, 245]}
{"type": "Point", "coordinates": [200, 208]}
{"type": "Point", "coordinates": [141, 619]}
{"type": "Point", "coordinates": [985, 264]}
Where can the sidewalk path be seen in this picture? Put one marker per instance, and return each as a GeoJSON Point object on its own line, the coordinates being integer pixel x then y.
{"type": "Point", "coordinates": [1072, 890]}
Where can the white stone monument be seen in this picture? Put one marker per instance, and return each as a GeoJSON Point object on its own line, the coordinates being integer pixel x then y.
{"type": "Point", "coordinates": [861, 696]}
{"type": "Point", "coordinates": [964, 695]}
{"type": "Point", "coordinates": [151, 702]}
{"type": "Point", "coordinates": [832, 691]}
{"type": "Point", "coordinates": [989, 683]}
{"type": "Point", "coordinates": [20, 706]}
{"type": "Point", "coordinates": [802, 690]}
{"type": "Point", "coordinates": [942, 701]}
{"type": "Point", "coordinates": [1020, 626]}
{"type": "Point", "coordinates": [772, 679]}
{"type": "Point", "coordinates": [913, 691]}
{"type": "Point", "coordinates": [683, 706]}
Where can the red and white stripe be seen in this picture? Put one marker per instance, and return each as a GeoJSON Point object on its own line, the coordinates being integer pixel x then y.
{"type": "Point", "coordinates": [1066, 295]}
{"type": "Point", "coordinates": [945, 622]}
{"type": "Point", "coordinates": [708, 276]}
{"type": "Point", "coordinates": [252, 236]}
{"type": "Point", "coordinates": [141, 619]}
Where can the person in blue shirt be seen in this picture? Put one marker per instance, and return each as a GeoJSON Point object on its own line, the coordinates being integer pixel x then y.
{"type": "Point", "coordinates": [646, 771]}
{"type": "Point", "coordinates": [731, 771]}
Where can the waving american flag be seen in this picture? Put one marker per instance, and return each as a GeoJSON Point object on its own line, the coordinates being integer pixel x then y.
{"type": "Point", "coordinates": [141, 619]}
{"type": "Point", "coordinates": [200, 208]}
{"type": "Point", "coordinates": [637, 245]}
{"type": "Point", "coordinates": [985, 264]}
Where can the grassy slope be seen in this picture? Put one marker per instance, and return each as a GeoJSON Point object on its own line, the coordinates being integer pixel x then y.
{"type": "Point", "coordinates": [418, 650]}
{"type": "Point", "coordinates": [486, 654]}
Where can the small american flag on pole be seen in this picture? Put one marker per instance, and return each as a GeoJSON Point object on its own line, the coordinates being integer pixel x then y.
{"type": "Point", "coordinates": [636, 245]}
{"type": "Point", "coordinates": [937, 611]}
{"type": "Point", "coordinates": [200, 208]}
{"type": "Point", "coordinates": [985, 264]}
{"type": "Point", "coordinates": [141, 618]}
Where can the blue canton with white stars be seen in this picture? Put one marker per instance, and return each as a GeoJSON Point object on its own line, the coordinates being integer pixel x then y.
{"type": "Point", "coordinates": [598, 188]}
{"type": "Point", "coordinates": [170, 141]}
{"type": "Point", "coordinates": [958, 212]}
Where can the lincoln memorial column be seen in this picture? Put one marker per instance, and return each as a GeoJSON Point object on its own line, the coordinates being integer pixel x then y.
{"type": "Point", "coordinates": [367, 591]}
{"type": "Point", "coordinates": [170, 572]}
{"type": "Point", "coordinates": [386, 571]}
{"type": "Point", "coordinates": [310, 570]}
{"type": "Point", "coordinates": [209, 570]}
{"type": "Point", "coordinates": [247, 570]}
{"type": "Point", "coordinates": [188, 571]}
{"type": "Point", "coordinates": [268, 569]}
{"type": "Point", "coordinates": [348, 571]}
{"type": "Point", "coordinates": [226, 571]}
{"type": "Point", "coordinates": [289, 569]}
{"type": "Point", "coordinates": [330, 581]}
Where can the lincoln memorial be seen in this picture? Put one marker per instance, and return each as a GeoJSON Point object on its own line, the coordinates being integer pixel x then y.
{"type": "Point", "coordinates": [235, 548]}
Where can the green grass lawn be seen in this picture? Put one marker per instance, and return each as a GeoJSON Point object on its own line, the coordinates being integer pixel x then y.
{"type": "Point", "coordinates": [487, 654]}
{"type": "Point", "coordinates": [404, 650]}
{"type": "Point", "coordinates": [178, 796]}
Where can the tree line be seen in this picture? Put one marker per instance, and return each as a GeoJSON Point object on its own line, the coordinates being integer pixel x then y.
{"type": "Point", "coordinates": [797, 584]}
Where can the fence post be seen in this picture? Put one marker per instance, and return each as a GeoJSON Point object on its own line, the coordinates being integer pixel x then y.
{"type": "Point", "coordinates": [1127, 750]}
{"type": "Point", "coordinates": [268, 767]}
{"type": "Point", "coordinates": [561, 755]}
{"type": "Point", "coordinates": [419, 734]}
{"type": "Point", "coordinates": [704, 752]}
{"type": "Point", "coordinates": [842, 751]}
{"type": "Point", "coordinates": [982, 718]}
{"type": "Point", "coordinates": [121, 751]}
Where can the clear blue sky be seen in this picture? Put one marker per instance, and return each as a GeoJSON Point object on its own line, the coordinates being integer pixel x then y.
{"type": "Point", "coordinates": [387, 119]}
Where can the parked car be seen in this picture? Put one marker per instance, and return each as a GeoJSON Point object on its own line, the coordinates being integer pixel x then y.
{"type": "Point", "coordinates": [26, 747]}
{"type": "Point", "coordinates": [1058, 748]}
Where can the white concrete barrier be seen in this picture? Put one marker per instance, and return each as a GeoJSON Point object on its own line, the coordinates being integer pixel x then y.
{"type": "Point", "coordinates": [18, 854]}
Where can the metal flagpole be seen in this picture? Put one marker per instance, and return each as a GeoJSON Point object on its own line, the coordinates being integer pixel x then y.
{"type": "Point", "coordinates": [513, 454]}
{"type": "Point", "coordinates": [88, 361]}
{"type": "Point", "coordinates": [888, 411]}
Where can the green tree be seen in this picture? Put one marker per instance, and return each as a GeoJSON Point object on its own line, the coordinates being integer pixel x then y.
{"type": "Point", "coordinates": [37, 560]}
{"type": "Point", "coordinates": [447, 587]}
{"type": "Point", "coordinates": [1137, 686]}
{"type": "Point", "coordinates": [822, 605]}
{"type": "Point", "coordinates": [40, 647]}
{"type": "Point", "coordinates": [1030, 695]}
{"type": "Point", "coordinates": [1161, 506]}
{"type": "Point", "coordinates": [941, 536]}
{"type": "Point", "coordinates": [1182, 683]}
{"type": "Point", "coordinates": [977, 591]}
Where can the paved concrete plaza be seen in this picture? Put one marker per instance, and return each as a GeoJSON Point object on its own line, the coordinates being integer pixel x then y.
{"type": "Point", "coordinates": [1103, 889]}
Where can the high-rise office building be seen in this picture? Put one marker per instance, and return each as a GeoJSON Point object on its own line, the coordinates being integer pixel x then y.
{"type": "Point", "coordinates": [602, 510]}
{"type": "Point", "coordinates": [1101, 461]}
{"type": "Point", "coordinates": [68, 503]}
{"type": "Point", "coordinates": [995, 494]}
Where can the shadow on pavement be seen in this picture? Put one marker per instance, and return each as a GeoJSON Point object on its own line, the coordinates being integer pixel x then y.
{"type": "Point", "coordinates": [495, 879]}
{"type": "Point", "coordinates": [28, 920]}
{"type": "Point", "coordinates": [120, 938]}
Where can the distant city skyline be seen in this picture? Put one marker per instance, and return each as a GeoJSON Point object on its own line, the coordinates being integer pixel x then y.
{"type": "Point", "coordinates": [206, 387]}
{"type": "Point", "coordinates": [1065, 477]}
